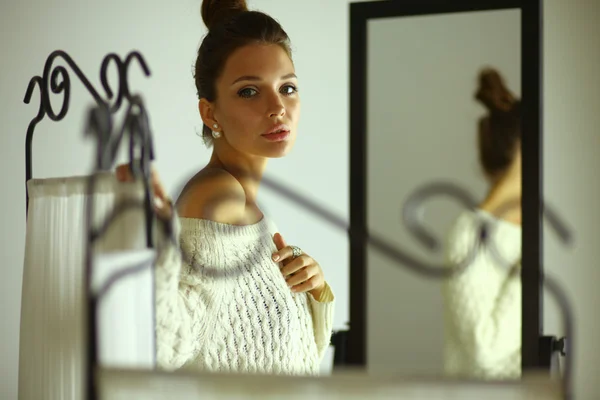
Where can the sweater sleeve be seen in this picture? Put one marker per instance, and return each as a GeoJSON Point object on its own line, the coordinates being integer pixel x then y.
{"type": "Point", "coordinates": [175, 307]}
{"type": "Point", "coordinates": [483, 305]}
{"type": "Point", "coordinates": [322, 315]}
{"type": "Point", "coordinates": [321, 310]}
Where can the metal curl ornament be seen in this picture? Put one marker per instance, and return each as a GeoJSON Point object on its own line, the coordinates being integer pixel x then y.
{"type": "Point", "coordinates": [56, 80]}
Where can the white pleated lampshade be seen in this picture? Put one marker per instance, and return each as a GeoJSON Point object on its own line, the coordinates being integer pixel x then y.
{"type": "Point", "coordinates": [52, 334]}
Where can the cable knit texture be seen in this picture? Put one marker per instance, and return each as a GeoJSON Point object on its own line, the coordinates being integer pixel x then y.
{"type": "Point", "coordinates": [223, 305]}
{"type": "Point", "coordinates": [483, 303]}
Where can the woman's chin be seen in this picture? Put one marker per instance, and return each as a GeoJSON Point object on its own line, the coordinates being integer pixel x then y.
{"type": "Point", "coordinates": [279, 151]}
{"type": "Point", "coordinates": [278, 155]}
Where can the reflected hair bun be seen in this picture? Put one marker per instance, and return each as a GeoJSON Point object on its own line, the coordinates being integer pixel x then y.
{"type": "Point", "coordinates": [493, 93]}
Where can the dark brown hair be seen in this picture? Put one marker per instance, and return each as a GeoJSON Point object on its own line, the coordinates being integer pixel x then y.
{"type": "Point", "coordinates": [230, 27]}
{"type": "Point", "coordinates": [499, 131]}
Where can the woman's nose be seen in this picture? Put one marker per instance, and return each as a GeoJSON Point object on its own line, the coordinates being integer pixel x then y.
{"type": "Point", "coordinates": [279, 112]}
{"type": "Point", "coordinates": [276, 107]}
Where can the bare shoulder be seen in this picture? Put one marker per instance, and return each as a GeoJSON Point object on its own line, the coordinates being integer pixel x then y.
{"type": "Point", "coordinates": [213, 194]}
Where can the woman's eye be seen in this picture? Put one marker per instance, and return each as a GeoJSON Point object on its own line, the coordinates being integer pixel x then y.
{"type": "Point", "coordinates": [246, 93]}
{"type": "Point", "coordinates": [289, 90]}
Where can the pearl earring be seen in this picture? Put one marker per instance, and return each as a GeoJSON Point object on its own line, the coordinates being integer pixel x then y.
{"type": "Point", "coordinates": [216, 134]}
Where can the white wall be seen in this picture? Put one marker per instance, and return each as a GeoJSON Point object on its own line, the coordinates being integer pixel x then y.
{"type": "Point", "coordinates": [168, 36]}
{"type": "Point", "coordinates": [422, 128]}
{"type": "Point", "coordinates": [571, 159]}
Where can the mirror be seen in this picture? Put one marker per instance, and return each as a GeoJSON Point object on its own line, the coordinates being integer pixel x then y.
{"type": "Point", "coordinates": [441, 104]}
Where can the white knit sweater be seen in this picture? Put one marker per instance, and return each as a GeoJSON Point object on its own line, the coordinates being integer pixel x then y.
{"type": "Point", "coordinates": [483, 304]}
{"type": "Point", "coordinates": [224, 306]}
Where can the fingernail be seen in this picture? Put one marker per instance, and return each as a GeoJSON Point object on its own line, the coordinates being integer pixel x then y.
{"type": "Point", "coordinates": [275, 257]}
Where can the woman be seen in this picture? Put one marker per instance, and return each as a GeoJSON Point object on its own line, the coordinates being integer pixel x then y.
{"type": "Point", "coordinates": [237, 298]}
{"type": "Point", "coordinates": [483, 303]}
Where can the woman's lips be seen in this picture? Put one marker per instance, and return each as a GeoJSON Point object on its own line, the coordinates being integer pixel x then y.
{"type": "Point", "coordinates": [277, 136]}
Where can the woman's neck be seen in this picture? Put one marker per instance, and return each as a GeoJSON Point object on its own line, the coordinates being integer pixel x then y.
{"type": "Point", "coordinates": [248, 170]}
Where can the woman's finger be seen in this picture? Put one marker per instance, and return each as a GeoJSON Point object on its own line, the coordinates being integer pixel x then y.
{"type": "Point", "coordinates": [162, 203]}
{"type": "Point", "coordinates": [283, 254]}
{"type": "Point", "coordinates": [307, 286]}
{"type": "Point", "coordinates": [302, 275]}
{"type": "Point", "coordinates": [157, 186]}
{"type": "Point", "coordinates": [295, 265]}
{"type": "Point", "coordinates": [279, 241]}
{"type": "Point", "coordinates": [123, 174]}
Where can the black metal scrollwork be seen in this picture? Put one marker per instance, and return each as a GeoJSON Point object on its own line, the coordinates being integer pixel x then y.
{"type": "Point", "coordinates": [56, 80]}
{"type": "Point", "coordinates": [412, 216]}
{"type": "Point", "coordinates": [108, 138]}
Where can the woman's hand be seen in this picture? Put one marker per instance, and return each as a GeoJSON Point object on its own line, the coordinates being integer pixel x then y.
{"type": "Point", "coordinates": [162, 204]}
{"type": "Point", "coordinates": [303, 273]}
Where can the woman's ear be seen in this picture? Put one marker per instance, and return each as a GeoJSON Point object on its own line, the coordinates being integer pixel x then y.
{"type": "Point", "coordinates": [206, 110]}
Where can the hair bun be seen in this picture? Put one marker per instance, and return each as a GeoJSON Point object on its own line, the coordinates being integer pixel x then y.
{"type": "Point", "coordinates": [216, 11]}
{"type": "Point", "coordinates": [493, 93]}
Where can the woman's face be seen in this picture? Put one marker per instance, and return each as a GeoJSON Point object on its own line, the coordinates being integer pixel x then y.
{"type": "Point", "coordinates": [257, 106]}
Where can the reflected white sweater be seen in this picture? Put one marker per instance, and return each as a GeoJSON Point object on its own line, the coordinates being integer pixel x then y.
{"type": "Point", "coordinates": [223, 305]}
{"type": "Point", "coordinates": [483, 304]}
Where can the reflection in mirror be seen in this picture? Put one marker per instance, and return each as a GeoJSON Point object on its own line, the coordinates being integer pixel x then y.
{"type": "Point", "coordinates": [443, 107]}
{"type": "Point", "coordinates": [482, 304]}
